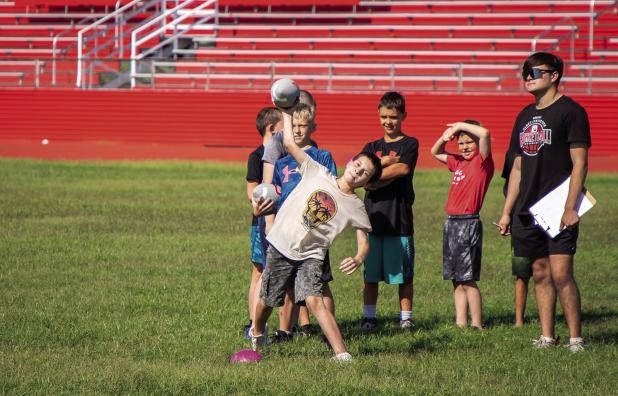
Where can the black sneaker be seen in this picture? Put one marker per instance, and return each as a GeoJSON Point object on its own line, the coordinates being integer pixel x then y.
{"type": "Point", "coordinates": [246, 331]}
{"type": "Point", "coordinates": [306, 330]}
{"type": "Point", "coordinates": [368, 324]}
{"type": "Point", "coordinates": [280, 337]}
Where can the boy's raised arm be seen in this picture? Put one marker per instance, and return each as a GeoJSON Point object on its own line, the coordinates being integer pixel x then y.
{"type": "Point", "coordinates": [438, 147]}
{"type": "Point", "coordinates": [480, 132]}
{"type": "Point", "coordinates": [350, 264]}
{"type": "Point", "coordinates": [288, 140]}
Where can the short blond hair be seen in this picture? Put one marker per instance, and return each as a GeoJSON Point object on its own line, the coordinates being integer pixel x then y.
{"type": "Point", "coordinates": [304, 113]}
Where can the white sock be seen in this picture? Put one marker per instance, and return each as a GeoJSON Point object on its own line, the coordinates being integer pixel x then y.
{"type": "Point", "coordinates": [369, 311]}
{"type": "Point", "coordinates": [575, 340]}
{"type": "Point", "coordinates": [405, 315]}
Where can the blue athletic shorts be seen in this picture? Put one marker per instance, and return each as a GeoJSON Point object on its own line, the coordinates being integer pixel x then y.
{"type": "Point", "coordinates": [257, 251]}
{"type": "Point", "coordinates": [390, 259]}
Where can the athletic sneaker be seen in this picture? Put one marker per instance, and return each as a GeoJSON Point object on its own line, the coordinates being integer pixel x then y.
{"type": "Point", "coordinates": [544, 343]}
{"type": "Point", "coordinates": [305, 330]}
{"type": "Point", "coordinates": [576, 345]}
{"type": "Point", "coordinates": [368, 324]}
{"type": "Point", "coordinates": [246, 332]}
{"type": "Point", "coordinates": [281, 336]}
{"type": "Point", "coordinates": [342, 357]}
{"type": "Point", "coordinates": [259, 343]}
{"type": "Point", "coordinates": [406, 324]}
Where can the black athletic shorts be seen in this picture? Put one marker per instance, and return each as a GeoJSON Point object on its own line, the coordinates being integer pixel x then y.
{"type": "Point", "coordinates": [462, 248]}
{"type": "Point", "coordinates": [529, 240]}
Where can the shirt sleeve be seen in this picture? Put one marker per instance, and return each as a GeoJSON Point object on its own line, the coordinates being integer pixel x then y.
{"type": "Point", "coordinates": [310, 168]}
{"type": "Point", "coordinates": [274, 149]}
{"type": "Point", "coordinates": [514, 146]}
{"type": "Point", "coordinates": [329, 163]}
{"type": "Point", "coordinates": [360, 220]}
{"type": "Point", "coordinates": [254, 168]}
{"type": "Point", "coordinates": [578, 126]}
{"type": "Point", "coordinates": [508, 164]}
{"type": "Point", "coordinates": [451, 162]}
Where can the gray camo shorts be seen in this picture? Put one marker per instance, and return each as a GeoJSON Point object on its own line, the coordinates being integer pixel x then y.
{"type": "Point", "coordinates": [280, 273]}
{"type": "Point", "coordinates": [462, 248]}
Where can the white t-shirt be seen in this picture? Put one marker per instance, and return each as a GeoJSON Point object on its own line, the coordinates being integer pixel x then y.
{"type": "Point", "coordinates": [314, 214]}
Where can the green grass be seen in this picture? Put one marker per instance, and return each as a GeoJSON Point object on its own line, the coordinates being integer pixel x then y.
{"type": "Point", "coordinates": [132, 277]}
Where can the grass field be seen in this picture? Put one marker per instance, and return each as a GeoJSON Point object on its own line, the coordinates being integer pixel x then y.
{"type": "Point", "coordinates": [130, 278]}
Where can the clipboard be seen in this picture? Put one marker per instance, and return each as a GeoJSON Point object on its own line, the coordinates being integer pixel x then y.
{"type": "Point", "coordinates": [547, 212]}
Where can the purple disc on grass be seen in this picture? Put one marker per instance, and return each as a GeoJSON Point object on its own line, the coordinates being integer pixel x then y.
{"type": "Point", "coordinates": [245, 356]}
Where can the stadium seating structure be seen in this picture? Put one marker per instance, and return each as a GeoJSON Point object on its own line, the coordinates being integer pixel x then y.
{"type": "Point", "coordinates": [340, 46]}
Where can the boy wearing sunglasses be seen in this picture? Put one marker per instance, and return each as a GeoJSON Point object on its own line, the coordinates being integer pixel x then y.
{"type": "Point", "coordinates": [550, 140]}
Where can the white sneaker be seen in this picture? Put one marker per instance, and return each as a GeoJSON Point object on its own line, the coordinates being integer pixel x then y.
{"type": "Point", "coordinates": [406, 324]}
{"type": "Point", "coordinates": [259, 343]}
{"type": "Point", "coordinates": [544, 343]}
{"type": "Point", "coordinates": [576, 345]}
{"type": "Point", "coordinates": [342, 357]}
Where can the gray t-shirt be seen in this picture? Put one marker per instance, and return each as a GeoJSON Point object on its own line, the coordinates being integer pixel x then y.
{"type": "Point", "coordinates": [314, 214]}
{"type": "Point", "coordinates": [274, 148]}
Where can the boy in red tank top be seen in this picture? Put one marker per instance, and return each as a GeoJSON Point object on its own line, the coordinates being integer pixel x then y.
{"type": "Point", "coordinates": [472, 168]}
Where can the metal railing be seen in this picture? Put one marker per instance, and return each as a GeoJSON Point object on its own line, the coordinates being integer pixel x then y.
{"type": "Point", "coordinates": [594, 17]}
{"type": "Point", "coordinates": [180, 13]}
{"type": "Point", "coordinates": [552, 28]}
{"type": "Point", "coordinates": [458, 78]}
{"type": "Point", "coordinates": [117, 25]}
{"type": "Point", "coordinates": [64, 50]}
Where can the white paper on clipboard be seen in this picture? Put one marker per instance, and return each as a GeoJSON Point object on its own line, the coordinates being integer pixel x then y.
{"type": "Point", "coordinates": [548, 211]}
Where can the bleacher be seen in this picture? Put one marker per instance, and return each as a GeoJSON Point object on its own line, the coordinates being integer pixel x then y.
{"type": "Point", "coordinates": [342, 45]}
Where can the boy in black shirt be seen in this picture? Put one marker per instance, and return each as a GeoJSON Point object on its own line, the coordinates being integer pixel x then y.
{"type": "Point", "coordinates": [267, 122]}
{"type": "Point", "coordinates": [389, 206]}
{"type": "Point", "coordinates": [550, 140]}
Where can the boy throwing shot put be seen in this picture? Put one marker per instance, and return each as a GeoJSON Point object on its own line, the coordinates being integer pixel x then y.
{"type": "Point", "coordinates": [313, 215]}
{"type": "Point", "coordinates": [472, 170]}
{"type": "Point", "coordinates": [287, 177]}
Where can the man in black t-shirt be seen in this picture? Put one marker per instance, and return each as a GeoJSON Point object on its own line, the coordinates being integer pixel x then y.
{"type": "Point", "coordinates": [389, 206]}
{"type": "Point", "coordinates": [550, 140]}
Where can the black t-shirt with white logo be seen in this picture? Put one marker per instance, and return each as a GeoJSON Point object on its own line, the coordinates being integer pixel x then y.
{"type": "Point", "coordinates": [543, 139]}
{"type": "Point", "coordinates": [390, 207]}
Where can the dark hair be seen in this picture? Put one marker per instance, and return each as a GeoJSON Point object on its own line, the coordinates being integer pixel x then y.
{"type": "Point", "coordinates": [377, 165]}
{"type": "Point", "coordinates": [393, 100]}
{"type": "Point", "coordinates": [471, 135]}
{"type": "Point", "coordinates": [306, 98]}
{"type": "Point", "coordinates": [545, 58]}
{"type": "Point", "coordinates": [265, 117]}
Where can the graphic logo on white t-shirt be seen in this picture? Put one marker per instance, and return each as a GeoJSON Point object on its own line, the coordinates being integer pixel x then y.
{"type": "Point", "coordinates": [534, 136]}
{"type": "Point", "coordinates": [458, 176]}
{"type": "Point", "coordinates": [321, 207]}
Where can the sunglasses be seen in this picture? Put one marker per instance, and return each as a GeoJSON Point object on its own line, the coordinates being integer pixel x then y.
{"type": "Point", "coordinates": [534, 73]}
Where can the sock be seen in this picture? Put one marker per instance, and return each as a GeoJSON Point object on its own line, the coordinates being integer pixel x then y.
{"type": "Point", "coordinates": [369, 311]}
{"type": "Point", "coordinates": [405, 315]}
{"type": "Point", "coordinates": [575, 340]}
